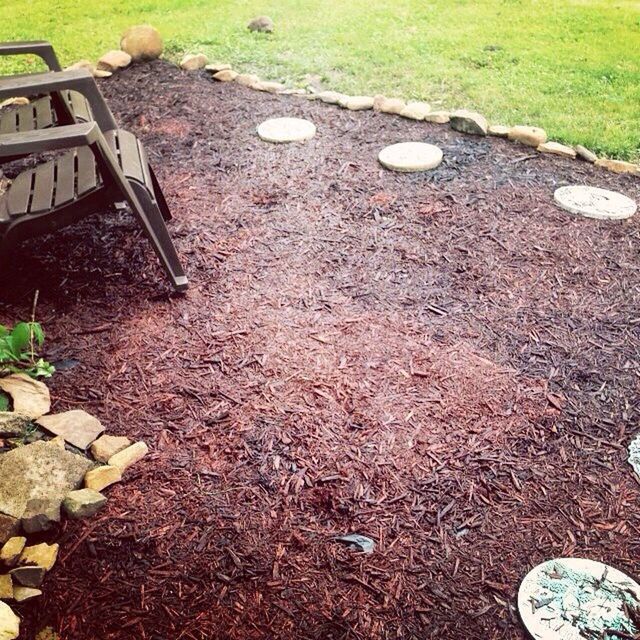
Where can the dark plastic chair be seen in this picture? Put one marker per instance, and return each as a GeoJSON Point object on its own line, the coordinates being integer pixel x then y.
{"type": "Point", "coordinates": [103, 165]}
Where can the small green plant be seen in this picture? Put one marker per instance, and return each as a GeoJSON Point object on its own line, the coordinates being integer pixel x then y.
{"type": "Point", "coordinates": [18, 350]}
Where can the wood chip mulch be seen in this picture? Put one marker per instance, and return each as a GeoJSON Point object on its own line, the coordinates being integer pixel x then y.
{"type": "Point", "coordinates": [445, 362]}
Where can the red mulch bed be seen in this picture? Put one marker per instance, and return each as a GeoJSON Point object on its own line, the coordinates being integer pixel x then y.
{"type": "Point", "coordinates": [444, 362]}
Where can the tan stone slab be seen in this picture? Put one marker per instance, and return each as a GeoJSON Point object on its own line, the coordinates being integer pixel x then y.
{"type": "Point", "coordinates": [6, 587]}
{"type": "Point", "coordinates": [101, 477]}
{"type": "Point", "coordinates": [113, 60]}
{"type": "Point", "coordinates": [41, 555]}
{"type": "Point", "coordinates": [618, 166]}
{"type": "Point", "coordinates": [194, 61]}
{"type": "Point", "coordinates": [129, 456]}
{"type": "Point", "coordinates": [356, 103]}
{"type": "Point", "coordinates": [83, 503]}
{"type": "Point", "coordinates": [439, 117]}
{"type": "Point", "coordinates": [77, 427]}
{"type": "Point", "coordinates": [9, 623]}
{"type": "Point", "coordinates": [416, 110]}
{"type": "Point", "coordinates": [106, 446]}
{"type": "Point", "coordinates": [531, 136]}
{"type": "Point", "coordinates": [226, 75]}
{"type": "Point", "coordinates": [20, 594]}
{"type": "Point", "coordinates": [557, 149]}
{"type": "Point", "coordinates": [30, 397]}
{"type": "Point", "coordinates": [11, 550]}
{"type": "Point", "coordinates": [499, 130]}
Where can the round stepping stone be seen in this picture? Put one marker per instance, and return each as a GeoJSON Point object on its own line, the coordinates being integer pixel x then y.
{"type": "Point", "coordinates": [286, 130]}
{"type": "Point", "coordinates": [574, 599]}
{"type": "Point", "coordinates": [593, 202]}
{"type": "Point", "coordinates": [410, 156]}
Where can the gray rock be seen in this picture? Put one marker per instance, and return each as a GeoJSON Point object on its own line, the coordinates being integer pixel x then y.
{"type": "Point", "coordinates": [262, 24]}
{"type": "Point", "coordinates": [469, 122]}
{"type": "Point", "coordinates": [9, 526]}
{"type": "Point", "coordinates": [29, 576]}
{"type": "Point", "coordinates": [39, 470]}
{"type": "Point", "coordinates": [40, 515]}
{"type": "Point", "coordinates": [585, 154]}
{"type": "Point", "coordinates": [83, 503]}
{"type": "Point", "coordinates": [12, 425]}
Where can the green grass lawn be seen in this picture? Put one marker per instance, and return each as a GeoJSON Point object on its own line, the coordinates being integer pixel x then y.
{"type": "Point", "coordinates": [570, 66]}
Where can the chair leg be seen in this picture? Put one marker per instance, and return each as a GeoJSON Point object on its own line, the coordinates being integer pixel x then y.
{"type": "Point", "coordinates": [160, 199]}
{"type": "Point", "coordinates": [153, 224]}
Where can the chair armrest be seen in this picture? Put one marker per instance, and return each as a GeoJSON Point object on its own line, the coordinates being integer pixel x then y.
{"type": "Point", "coordinates": [57, 138]}
{"type": "Point", "coordinates": [79, 80]}
{"type": "Point", "coordinates": [40, 48]}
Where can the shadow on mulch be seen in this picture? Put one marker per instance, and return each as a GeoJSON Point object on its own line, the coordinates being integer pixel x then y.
{"type": "Point", "coordinates": [444, 362]}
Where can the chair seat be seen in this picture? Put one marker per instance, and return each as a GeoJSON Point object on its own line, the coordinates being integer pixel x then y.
{"type": "Point", "coordinates": [40, 114]}
{"type": "Point", "coordinates": [71, 176]}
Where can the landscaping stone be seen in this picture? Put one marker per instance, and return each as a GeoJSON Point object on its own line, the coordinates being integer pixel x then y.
{"type": "Point", "coordinates": [114, 60]}
{"type": "Point", "coordinates": [439, 117]}
{"type": "Point", "coordinates": [101, 477]}
{"type": "Point", "coordinates": [11, 550]}
{"type": "Point", "coordinates": [40, 515]}
{"type": "Point", "coordinates": [356, 103]}
{"type": "Point", "coordinates": [261, 24]}
{"type": "Point", "coordinates": [20, 594]}
{"type": "Point", "coordinates": [12, 425]}
{"type": "Point", "coordinates": [286, 130]}
{"type": "Point", "coordinates": [38, 470]}
{"type": "Point", "coordinates": [106, 446]}
{"type": "Point", "coordinates": [142, 42]}
{"type": "Point", "coordinates": [469, 122]}
{"type": "Point", "coordinates": [9, 623]}
{"type": "Point", "coordinates": [416, 110]}
{"type": "Point", "coordinates": [6, 587]}
{"type": "Point", "coordinates": [90, 67]}
{"type": "Point", "coordinates": [247, 79]}
{"type": "Point", "coordinates": [226, 75]}
{"type": "Point", "coordinates": [77, 427]}
{"type": "Point", "coordinates": [269, 86]}
{"type": "Point", "coordinates": [618, 166]}
{"type": "Point", "coordinates": [83, 503]}
{"type": "Point", "coordinates": [29, 576]}
{"type": "Point", "coordinates": [30, 397]}
{"type": "Point", "coordinates": [125, 458]}
{"type": "Point", "coordinates": [194, 61]}
{"type": "Point", "coordinates": [557, 149]}
{"type": "Point", "coordinates": [331, 97]}
{"type": "Point", "coordinates": [585, 153]}
{"type": "Point", "coordinates": [593, 202]}
{"type": "Point", "coordinates": [410, 156]}
{"type": "Point", "coordinates": [388, 105]}
{"type": "Point", "coordinates": [499, 130]}
{"type": "Point", "coordinates": [40, 555]}
{"type": "Point", "coordinates": [9, 526]}
{"type": "Point", "coordinates": [531, 136]}
{"type": "Point", "coordinates": [214, 67]}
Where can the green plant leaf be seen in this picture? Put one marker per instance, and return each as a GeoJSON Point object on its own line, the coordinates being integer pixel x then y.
{"type": "Point", "coordinates": [4, 402]}
{"type": "Point", "coordinates": [20, 337]}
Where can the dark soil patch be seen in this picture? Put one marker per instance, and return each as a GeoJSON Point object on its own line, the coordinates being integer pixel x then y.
{"type": "Point", "coordinates": [444, 362]}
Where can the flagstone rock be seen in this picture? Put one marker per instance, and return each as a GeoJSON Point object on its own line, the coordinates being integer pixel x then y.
{"type": "Point", "coordinates": [557, 149]}
{"type": "Point", "coordinates": [194, 61]}
{"type": "Point", "coordinates": [12, 425]}
{"type": "Point", "coordinates": [9, 526]}
{"type": "Point", "coordinates": [38, 470]}
{"type": "Point", "coordinates": [20, 594]}
{"type": "Point", "coordinates": [40, 515]}
{"type": "Point", "coordinates": [439, 117]}
{"type": "Point", "coordinates": [416, 110]}
{"type": "Point", "coordinates": [499, 130]}
{"type": "Point", "coordinates": [410, 156]}
{"type": "Point", "coordinates": [388, 105]}
{"type": "Point", "coordinates": [29, 576]}
{"type": "Point", "coordinates": [585, 154]}
{"type": "Point", "coordinates": [106, 446]}
{"type": "Point", "coordinates": [469, 122]}
{"type": "Point", "coordinates": [9, 623]}
{"type": "Point", "coordinates": [531, 136]}
{"type": "Point", "coordinates": [618, 166]}
{"type": "Point", "coordinates": [41, 555]}
{"type": "Point", "coordinates": [226, 75]}
{"type": "Point", "coordinates": [269, 86]}
{"type": "Point", "coordinates": [77, 427]}
{"type": "Point", "coordinates": [248, 79]}
{"type": "Point", "coordinates": [101, 477]}
{"type": "Point", "coordinates": [214, 67]}
{"type": "Point", "coordinates": [83, 503]}
{"type": "Point", "coordinates": [331, 97]}
{"type": "Point", "coordinates": [114, 60]}
{"type": "Point", "coordinates": [11, 550]}
{"type": "Point", "coordinates": [6, 587]}
{"type": "Point", "coordinates": [90, 67]}
{"type": "Point", "coordinates": [142, 42]}
{"type": "Point", "coordinates": [357, 103]}
{"type": "Point", "coordinates": [125, 458]}
{"type": "Point", "coordinates": [261, 24]}
{"type": "Point", "coordinates": [30, 397]}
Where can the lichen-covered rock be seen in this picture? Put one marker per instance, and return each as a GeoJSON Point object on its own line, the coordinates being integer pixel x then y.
{"type": "Point", "coordinates": [30, 397]}
{"type": "Point", "coordinates": [469, 122]}
{"type": "Point", "coordinates": [114, 60]}
{"type": "Point", "coordinates": [261, 24]}
{"type": "Point", "coordinates": [125, 458]}
{"type": "Point", "coordinates": [11, 550]}
{"type": "Point", "coordinates": [531, 136]}
{"type": "Point", "coordinates": [106, 446]}
{"type": "Point", "coordinates": [9, 623]}
{"type": "Point", "coordinates": [83, 503]}
{"type": "Point", "coordinates": [40, 555]}
{"type": "Point", "coordinates": [12, 424]}
{"type": "Point", "coordinates": [142, 42]}
{"type": "Point", "coordinates": [101, 477]}
{"type": "Point", "coordinates": [194, 61]}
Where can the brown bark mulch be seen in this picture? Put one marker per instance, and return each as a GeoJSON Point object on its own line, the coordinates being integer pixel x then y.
{"type": "Point", "coordinates": [444, 362]}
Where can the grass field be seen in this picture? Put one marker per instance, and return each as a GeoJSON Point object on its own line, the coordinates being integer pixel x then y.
{"type": "Point", "coordinates": [570, 66]}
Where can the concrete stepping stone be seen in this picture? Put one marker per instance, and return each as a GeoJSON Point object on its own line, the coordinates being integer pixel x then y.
{"type": "Point", "coordinates": [593, 202]}
{"type": "Point", "coordinates": [410, 156]}
{"type": "Point", "coordinates": [286, 130]}
{"type": "Point", "coordinates": [574, 598]}
{"type": "Point", "coordinates": [77, 427]}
